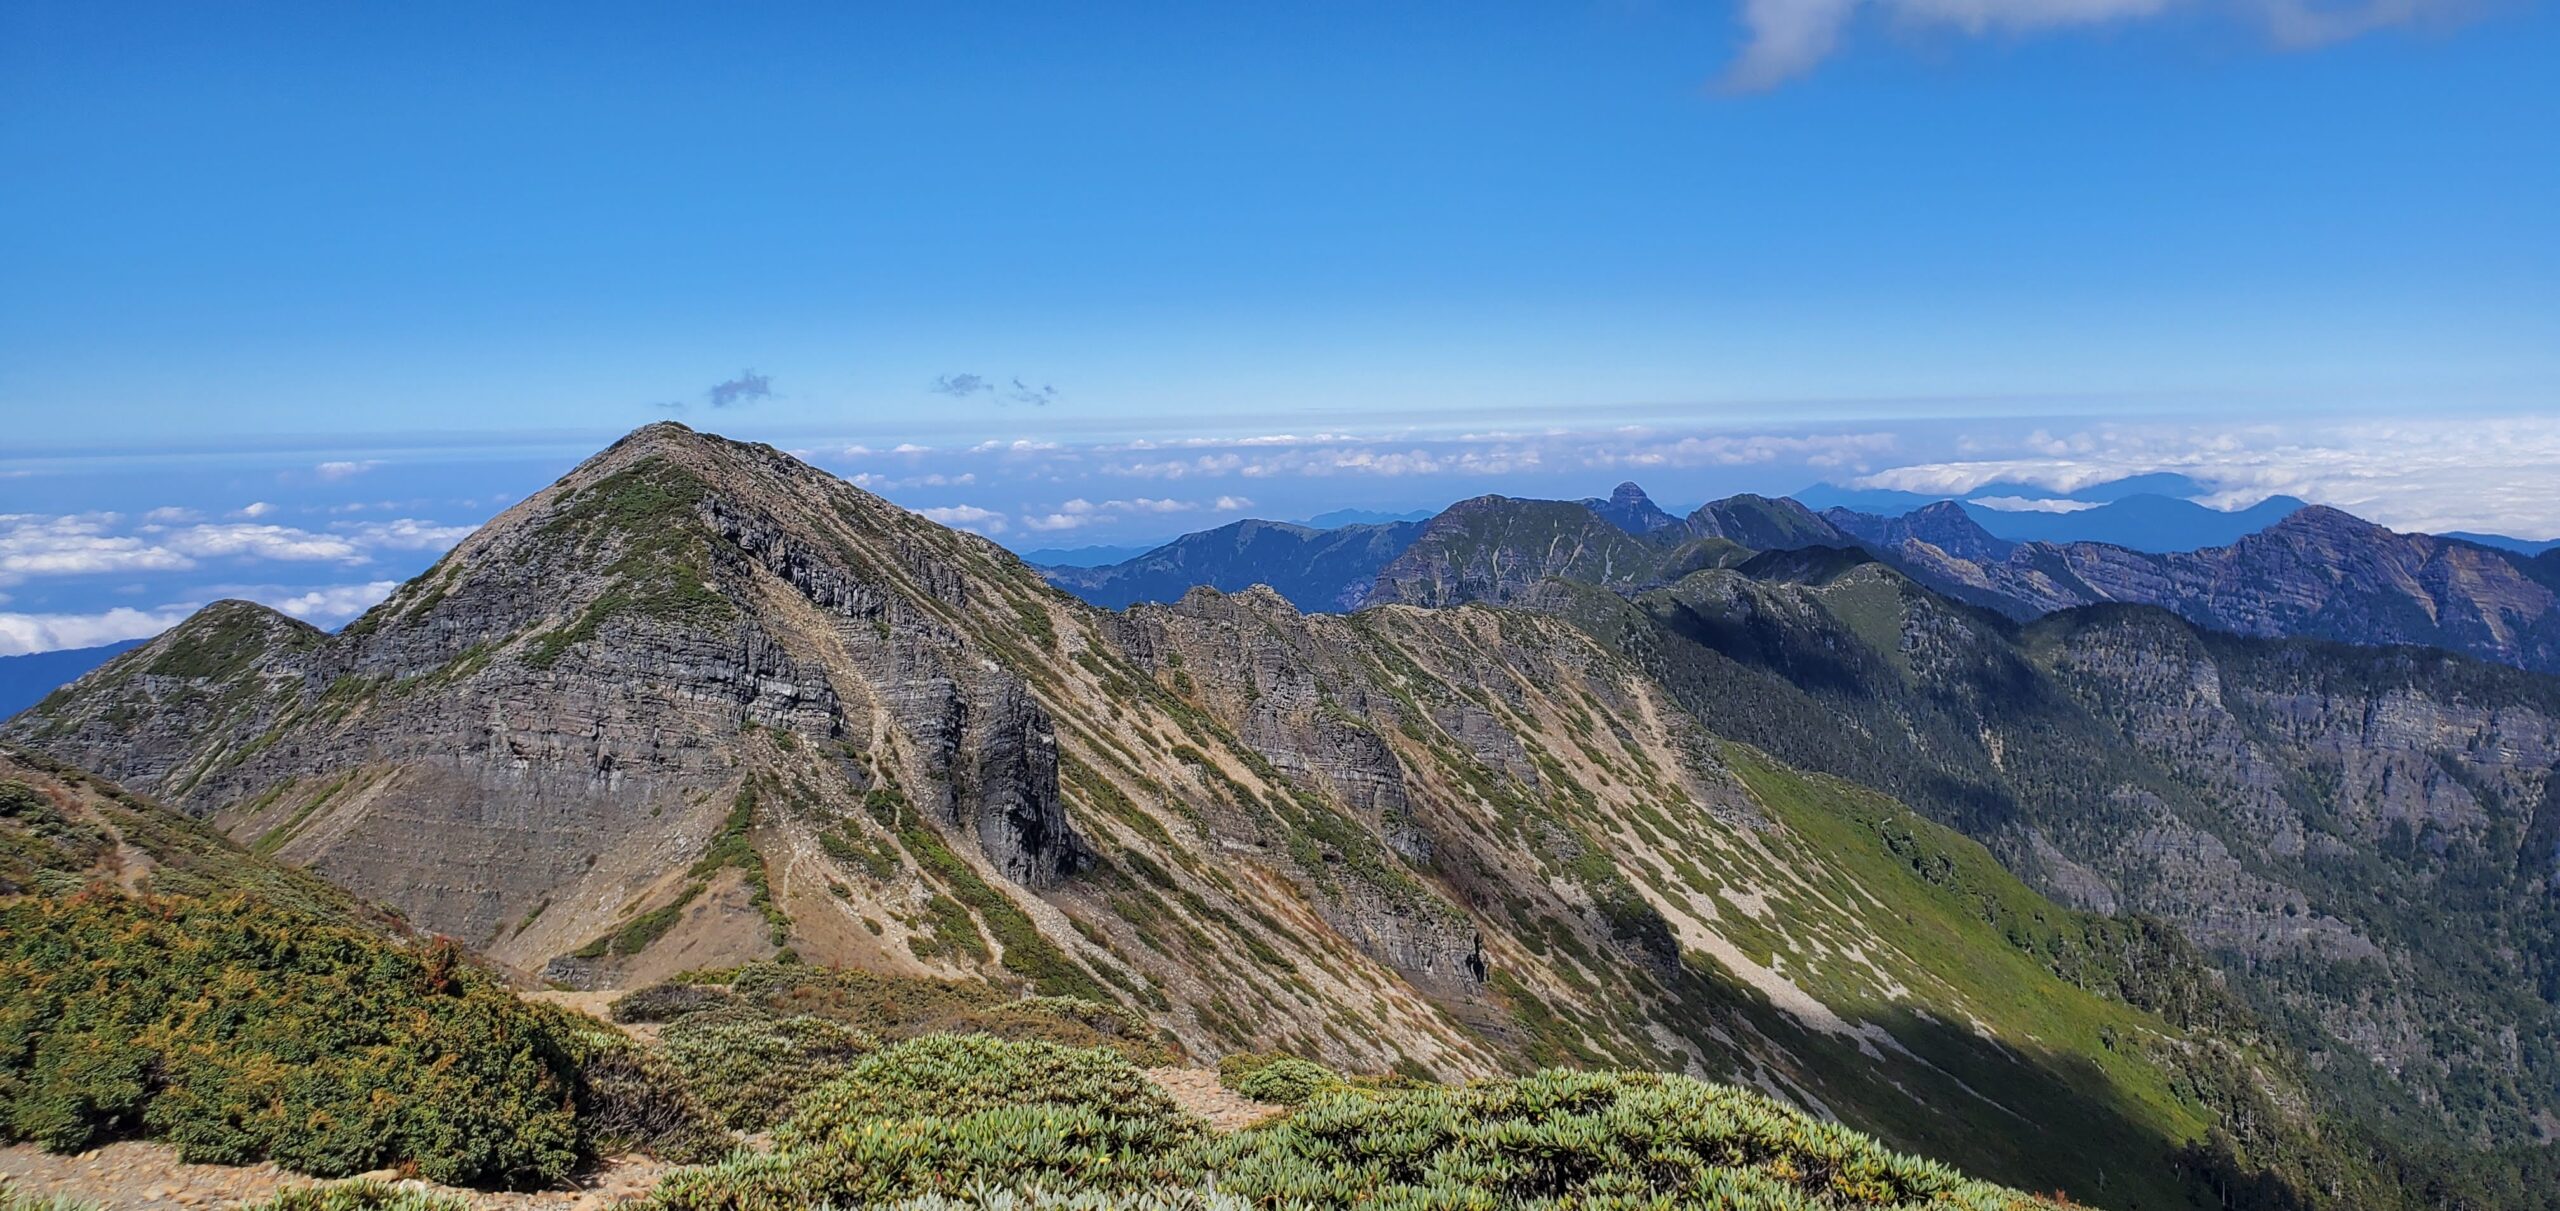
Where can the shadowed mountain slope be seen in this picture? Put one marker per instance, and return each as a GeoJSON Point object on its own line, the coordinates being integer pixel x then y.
{"type": "Point", "coordinates": [2365, 839]}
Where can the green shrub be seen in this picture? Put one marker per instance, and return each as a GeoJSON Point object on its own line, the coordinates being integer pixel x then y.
{"type": "Point", "coordinates": [630, 1099]}
{"type": "Point", "coordinates": [952, 1123]}
{"type": "Point", "coordinates": [874, 1162]}
{"type": "Point", "coordinates": [1282, 1080]}
{"type": "Point", "coordinates": [37, 839]}
{"type": "Point", "coordinates": [946, 1114]}
{"type": "Point", "coordinates": [997, 1198]}
{"type": "Point", "coordinates": [953, 1076]}
{"type": "Point", "coordinates": [667, 1002]}
{"type": "Point", "coordinates": [748, 1064]}
{"type": "Point", "coordinates": [239, 1031]}
{"type": "Point", "coordinates": [361, 1196]}
{"type": "Point", "coordinates": [1571, 1138]}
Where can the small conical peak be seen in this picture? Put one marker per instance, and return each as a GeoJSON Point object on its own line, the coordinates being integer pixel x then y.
{"type": "Point", "coordinates": [1628, 495]}
{"type": "Point", "coordinates": [2322, 519]}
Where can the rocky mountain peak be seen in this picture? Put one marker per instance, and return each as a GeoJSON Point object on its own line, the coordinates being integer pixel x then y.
{"type": "Point", "coordinates": [2324, 522]}
{"type": "Point", "coordinates": [1629, 509]}
{"type": "Point", "coordinates": [607, 666]}
{"type": "Point", "coordinates": [1763, 523]}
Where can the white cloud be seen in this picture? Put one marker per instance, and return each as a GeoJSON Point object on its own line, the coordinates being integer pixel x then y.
{"type": "Point", "coordinates": [966, 517]}
{"type": "Point", "coordinates": [256, 508]}
{"type": "Point", "coordinates": [325, 605]}
{"type": "Point", "coordinates": [78, 544]}
{"type": "Point", "coordinates": [1050, 522]}
{"type": "Point", "coordinates": [1232, 504]}
{"type": "Point", "coordinates": [2431, 474]}
{"type": "Point", "coordinates": [86, 544]}
{"type": "Point", "coordinates": [345, 470]}
{"type": "Point", "coordinates": [172, 515]}
{"type": "Point", "coordinates": [2023, 504]}
{"type": "Point", "coordinates": [21, 634]}
{"type": "Point", "coordinates": [262, 542]}
{"type": "Point", "coordinates": [330, 605]}
{"type": "Point", "coordinates": [408, 534]}
{"type": "Point", "coordinates": [1786, 38]}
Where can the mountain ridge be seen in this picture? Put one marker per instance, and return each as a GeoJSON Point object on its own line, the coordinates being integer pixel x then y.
{"type": "Point", "coordinates": [699, 703]}
{"type": "Point", "coordinates": [1750, 815]}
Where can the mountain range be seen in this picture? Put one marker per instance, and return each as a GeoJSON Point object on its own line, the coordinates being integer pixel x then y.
{"type": "Point", "coordinates": [1917, 827]}
{"type": "Point", "coordinates": [2314, 572]}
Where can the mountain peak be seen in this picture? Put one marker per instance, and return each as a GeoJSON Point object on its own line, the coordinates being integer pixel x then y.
{"type": "Point", "coordinates": [1629, 509]}
{"type": "Point", "coordinates": [2324, 519]}
{"type": "Point", "coordinates": [1763, 523]}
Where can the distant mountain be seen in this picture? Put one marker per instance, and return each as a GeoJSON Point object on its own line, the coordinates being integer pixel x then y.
{"type": "Point", "coordinates": [1080, 557]}
{"type": "Point", "coordinates": [2143, 522]}
{"type": "Point", "coordinates": [1629, 509]}
{"type": "Point", "coordinates": [2144, 512]}
{"type": "Point", "coordinates": [1362, 517]}
{"type": "Point", "coordinates": [1483, 549]}
{"type": "Point", "coordinates": [1761, 523]}
{"type": "Point", "coordinates": [1492, 548]}
{"type": "Point", "coordinates": [24, 680]}
{"type": "Point", "coordinates": [1319, 571]}
{"type": "Point", "coordinates": [2318, 573]}
{"type": "Point", "coordinates": [2521, 546]}
{"type": "Point", "coordinates": [1889, 501]}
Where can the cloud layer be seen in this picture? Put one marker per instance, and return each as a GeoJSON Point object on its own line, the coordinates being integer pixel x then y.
{"type": "Point", "coordinates": [327, 606]}
{"type": "Point", "coordinates": [2429, 474]}
{"type": "Point", "coordinates": [1787, 38]}
{"type": "Point", "coordinates": [89, 544]}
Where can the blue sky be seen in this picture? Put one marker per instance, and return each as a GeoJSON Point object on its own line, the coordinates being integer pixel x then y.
{"type": "Point", "coordinates": [1277, 260]}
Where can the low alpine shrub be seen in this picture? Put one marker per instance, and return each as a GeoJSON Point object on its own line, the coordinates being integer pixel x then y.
{"type": "Point", "coordinates": [952, 1076]}
{"type": "Point", "coordinates": [239, 1031]}
{"type": "Point", "coordinates": [360, 1196]}
{"type": "Point", "coordinates": [748, 1064]}
{"type": "Point", "coordinates": [1281, 1080]}
{"type": "Point", "coordinates": [666, 1002]}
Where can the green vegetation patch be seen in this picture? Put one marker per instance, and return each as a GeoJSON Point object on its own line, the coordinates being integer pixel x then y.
{"type": "Point", "coordinates": [241, 1031]}
{"type": "Point", "coordinates": [748, 1063]}
{"type": "Point", "coordinates": [38, 838]}
{"type": "Point", "coordinates": [1282, 1080]}
{"type": "Point", "coordinates": [963, 1118]}
{"type": "Point", "coordinates": [662, 567]}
